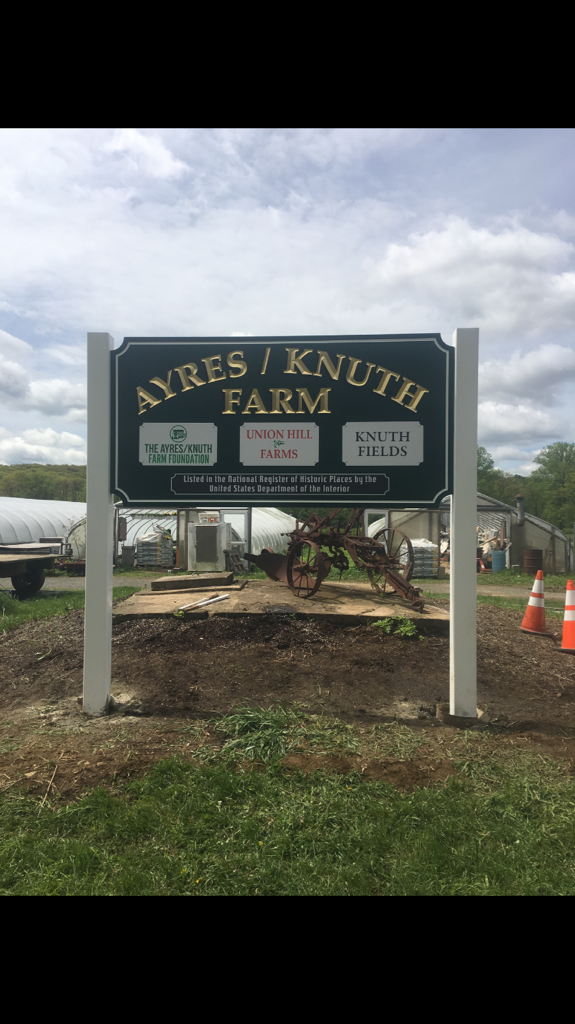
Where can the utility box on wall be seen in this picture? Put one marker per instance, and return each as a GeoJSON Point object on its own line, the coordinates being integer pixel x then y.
{"type": "Point", "coordinates": [207, 546]}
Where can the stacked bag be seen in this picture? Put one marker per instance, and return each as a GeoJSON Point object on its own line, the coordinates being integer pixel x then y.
{"type": "Point", "coordinates": [425, 557]}
{"type": "Point", "coordinates": [156, 548]}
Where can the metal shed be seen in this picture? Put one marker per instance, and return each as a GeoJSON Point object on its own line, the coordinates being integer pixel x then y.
{"type": "Point", "coordinates": [523, 529]}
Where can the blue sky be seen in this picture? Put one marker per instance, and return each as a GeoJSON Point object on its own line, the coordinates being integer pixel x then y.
{"type": "Point", "coordinates": [231, 231]}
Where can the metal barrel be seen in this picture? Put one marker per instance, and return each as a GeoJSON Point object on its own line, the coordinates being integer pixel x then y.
{"type": "Point", "coordinates": [532, 561]}
{"type": "Point", "coordinates": [497, 561]}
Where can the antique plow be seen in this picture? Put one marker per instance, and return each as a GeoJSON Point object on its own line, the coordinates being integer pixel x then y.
{"type": "Point", "coordinates": [320, 544]}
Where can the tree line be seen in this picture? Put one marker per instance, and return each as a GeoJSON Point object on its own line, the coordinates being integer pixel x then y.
{"type": "Point", "coordinates": [52, 483]}
{"type": "Point", "coordinates": [550, 490]}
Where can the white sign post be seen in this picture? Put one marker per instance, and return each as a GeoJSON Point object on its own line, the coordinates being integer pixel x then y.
{"type": "Point", "coordinates": [463, 538]}
{"type": "Point", "coordinates": [99, 531]}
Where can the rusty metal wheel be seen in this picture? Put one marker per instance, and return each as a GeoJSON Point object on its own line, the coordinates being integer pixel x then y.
{"type": "Point", "coordinates": [398, 550]}
{"type": "Point", "coordinates": [305, 569]}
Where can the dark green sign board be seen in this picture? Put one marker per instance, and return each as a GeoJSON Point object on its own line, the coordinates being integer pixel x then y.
{"type": "Point", "coordinates": [344, 420]}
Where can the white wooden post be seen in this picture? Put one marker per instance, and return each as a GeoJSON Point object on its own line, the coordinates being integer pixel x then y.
{"type": "Point", "coordinates": [250, 533]}
{"type": "Point", "coordinates": [463, 539]}
{"type": "Point", "coordinates": [99, 531]}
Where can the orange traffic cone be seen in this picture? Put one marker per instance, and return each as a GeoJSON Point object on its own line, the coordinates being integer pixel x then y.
{"type": "Point", "coordinates": [534, 618]}
{"type": "Point", "coordinates": [568, 644]}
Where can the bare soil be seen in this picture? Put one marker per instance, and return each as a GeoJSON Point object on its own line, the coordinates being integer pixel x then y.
{"type": "Point", "coordinates": [171, 677]}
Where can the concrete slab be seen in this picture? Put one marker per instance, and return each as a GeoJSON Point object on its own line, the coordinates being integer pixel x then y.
{"type": "Point", "coordinates": [338, 602]}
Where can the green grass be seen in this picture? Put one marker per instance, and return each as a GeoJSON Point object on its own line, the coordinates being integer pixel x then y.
{"type": "Point", "coordinates": [119, 570]}
{"type": "Point", "coordinates": [13, 613]}
{"type": "Point", "coordinates": [393, 740]}
{"type": "Point", "coordinates": [140, 570]}
{"type": "Point", "coordinates": [503, 825]}
{"type": "Point", "coordinates": [553, 609]}
{"type": "Point", "coordinates": [262, 735]}
{"type": "Point", "coordinates": [508, 578]}
{"type": "Point", "coordinates": [553, 584]}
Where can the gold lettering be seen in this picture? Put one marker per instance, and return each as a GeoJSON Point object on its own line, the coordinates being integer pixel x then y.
{"type": "Point", "coordinates": [304, 396]}
{"type": "Point", "coordinates": [405, 392]}
{"type": "Point", "coordinates": [350, 375]}
{"type": "Point", "coordinates": [189, 376]}
{"type": "Point", "coordinates": [144, 399]}
{"type": "Point", "coordinates": [295, 360]}
{"type": "Point", "coordinates": [230, 400]}
{"type": "Point", "coordinates": [165, 385]}
{"type": "Point", "coordinates": [326, 361]}
{"type": "Point", "coordinates": [237, 364]}
{"type": "Point", "coordinates": [212, 369]}
{"type": "Point", "coordinates": [277, 400]}
{"type": "Point", "coordinates": [255, 402]}
{"type": "Point", "coordinates": [265, 362]}
{"type": "Point", "coordinates": [387, 375]}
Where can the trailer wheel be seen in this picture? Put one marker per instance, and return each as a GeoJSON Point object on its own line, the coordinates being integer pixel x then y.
{"type": "Point", "coordinates": [28, 583]}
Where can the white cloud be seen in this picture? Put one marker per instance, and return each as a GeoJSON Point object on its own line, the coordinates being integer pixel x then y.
{"type": "Point", "coordinates": [505, 452]}
{"type": "Point", "coordinates": [287, 230]}
{"type": "Point", "coordinates": [53, 438]}
{"type": "Point", "coordinates": [514, 459]}
{"type": "Point", "coordinates": [71, 355]}
{"type": "Point", "coordinates": [75, 415]}
{"type": "Point", "coordinates": [521, 423]}
{"type": "Point", "coordinates": [47, 447]}
{"type": "Point", "coordinates": [10, 344]}
{"type": "Point", "coordinates": [148, 152]}
{"type": "Point", "coordinates": [292, 150]}
{"type": "Point", "coordinates": [49, 397]}
{"type": "Point", "coordinates": [538, 374]}
{"type": "Point", "coordinates": [57, 398]}
{"type": "Point", "coordinates": [507, 280]}
{"type": "Point", "coordinates": [13, 380]}
{"type": "Point", "coordinates": [563, 223]}
{"type": "Point", "coordinates": [290, 231]}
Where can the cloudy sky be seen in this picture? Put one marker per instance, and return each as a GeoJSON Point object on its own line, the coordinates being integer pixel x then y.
{"type": "Point", "coordinates": [222, 231]}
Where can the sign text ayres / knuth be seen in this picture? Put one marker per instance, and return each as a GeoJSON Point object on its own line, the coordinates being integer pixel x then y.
{"type": "Point", "coordinates": [262, 401]}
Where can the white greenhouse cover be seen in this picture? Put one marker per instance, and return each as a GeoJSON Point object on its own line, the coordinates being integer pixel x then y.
{"type": "Point", "coordinates": [268, 527]}
{"type": "Point", "coordinates": [25, 520]}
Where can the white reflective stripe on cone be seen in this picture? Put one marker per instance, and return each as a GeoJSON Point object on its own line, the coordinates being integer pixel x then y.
{"type": "Point", "coordinates": [569, 615]}
{"type": "Point", "coordinates": [538, 602]}
{"type": "Point", "coordinates": [538, 586]}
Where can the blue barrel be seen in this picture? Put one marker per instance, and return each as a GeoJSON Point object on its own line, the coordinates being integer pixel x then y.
{"type": "Point", "coordinates": [497, 561]}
